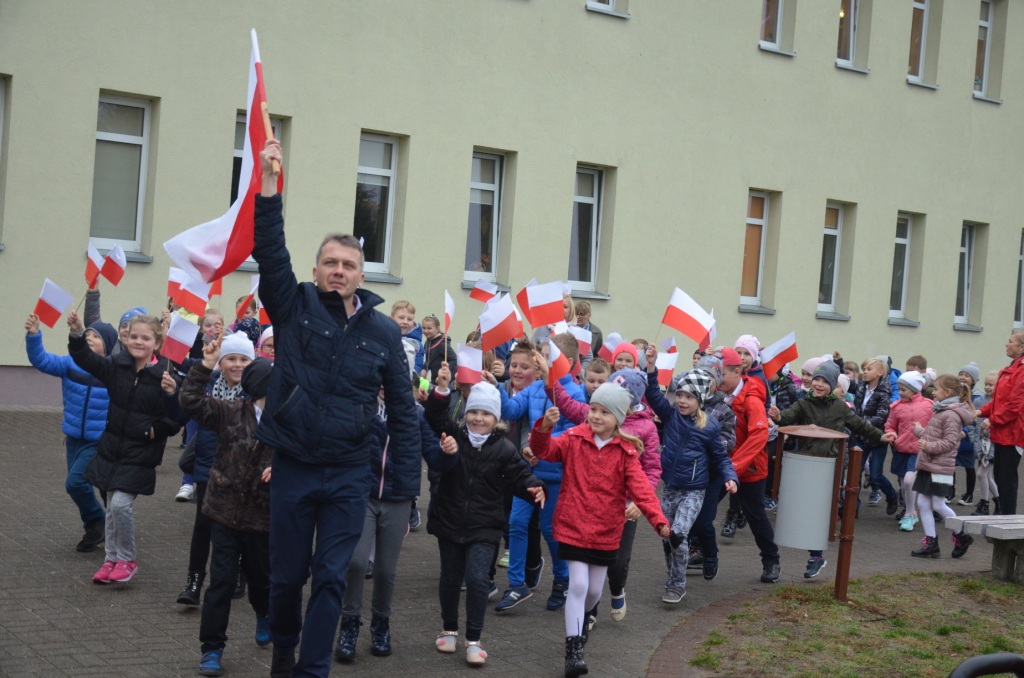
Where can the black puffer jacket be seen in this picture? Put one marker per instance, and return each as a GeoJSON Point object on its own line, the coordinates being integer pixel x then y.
{"type": "Point", "coordinates": [875, 411]}
{"type": "Point", "coordinates": [468, 506]}
{"type": "Point", "coordinates": [127, 456]}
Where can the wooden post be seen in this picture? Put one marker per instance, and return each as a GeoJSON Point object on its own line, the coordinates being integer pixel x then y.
{"type": "Point", "coordinates": [852, 491]}
{"type": "Point", "coordinates": [778, 466]}
{"type": "Point", "coordinates": [837, 482]}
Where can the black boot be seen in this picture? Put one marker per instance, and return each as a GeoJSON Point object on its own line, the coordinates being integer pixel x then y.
{"type": "Point", "coordinates": [193, 587]}
{"type": "Point", "coordinates": [574, 664]}
{"type": "Point", "coordinates": [348, 634]}
{"type": "Point", "coordinates": [282, 662]}
{"type": "Point", "coordinates": [929, 548]}
{"type": "Point", "coordinates": [729, 526]}
{"type": "Point", "coordinates": [380, 637]}
{"type": "Point", "coordinates": [239, 584]}
{"type": "Point", "coordinates": [741, 519]}
{"type": "Point", "coordinates": [94, 535]}
{"type": "Point", "coordinates": [961, 542]}
{"type": "Point", "coordinates": [996, 511]}
{"type": "Point", "coordinates": [982, 508]}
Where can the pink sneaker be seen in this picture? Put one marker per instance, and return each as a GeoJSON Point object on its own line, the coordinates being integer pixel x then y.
{"type": "Point", "coordinates": [102, 575]}
{"type": "Point", "coordinates": [123, 571]}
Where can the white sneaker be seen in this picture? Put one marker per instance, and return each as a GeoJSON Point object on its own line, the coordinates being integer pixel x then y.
{"type": "Point", "coordinates": [186, 493]}
{"type": "Point", "coordinates": [475, 655]}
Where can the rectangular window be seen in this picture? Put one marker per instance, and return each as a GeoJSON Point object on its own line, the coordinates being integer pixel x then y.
{"type": "Point", "coordinates": [847, 46]}
{"type": "Point", "coordinates": [1018, 311]}
{"type": "Point", "coordinates": [375, 189]}
{"type": "Point", "coordinates": [119, 173]}
{"type": "Point", "coordinates": [918, 39]}
{"type": "Point", "coordinates": [586, 228]}
{"type": "Point", "coordinates": [828, 279]}
{"type": "Point", "coordinates": [619, 8]}
{"type": "Point", "coordinates": [900, 267]}
{"type": "Point", "coordinates": [756, 234]}
{"type": "Point", "coordinates": [771, 22]}
{"type": "Point", "coordinates": [236, 168]}
{"type": "Point", "coordinates": [484, 216]}
{"type": "Point", "coordinates": [981, 60]}
{"type": "Point", "coordinates": [965, 271]}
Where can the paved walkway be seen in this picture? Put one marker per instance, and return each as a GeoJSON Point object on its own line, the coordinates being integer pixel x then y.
{"type": "Point", "coordinates": [55, 622]}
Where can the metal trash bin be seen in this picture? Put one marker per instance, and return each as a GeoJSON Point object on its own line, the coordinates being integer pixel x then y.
{"type": "Point", "coordinates": [805, 501]}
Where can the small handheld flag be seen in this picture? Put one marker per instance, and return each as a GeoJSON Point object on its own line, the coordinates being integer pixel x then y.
{"type": "Point", "coordinates": [53, 301]}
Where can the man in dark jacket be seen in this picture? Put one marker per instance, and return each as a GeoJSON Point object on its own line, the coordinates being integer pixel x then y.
{"type": "Point", "coordinates": [333, 354]}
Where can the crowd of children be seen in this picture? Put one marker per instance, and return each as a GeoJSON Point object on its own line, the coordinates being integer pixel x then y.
{"type": "Point", "coordinates": [515, 457]}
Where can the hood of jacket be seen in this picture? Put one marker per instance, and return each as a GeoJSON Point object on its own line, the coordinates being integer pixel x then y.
{"type": "Point", "coordinates": [965, 413]}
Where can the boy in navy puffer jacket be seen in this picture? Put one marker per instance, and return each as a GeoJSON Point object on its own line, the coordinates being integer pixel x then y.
{"type": "Point", "coordinates": [85, 418]}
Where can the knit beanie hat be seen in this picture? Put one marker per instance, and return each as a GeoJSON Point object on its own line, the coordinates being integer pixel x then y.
{"type": "Point", "coordinates": [484, 397]}
{"type": "Point", "coordinates": [614, 398]}
{"type": "Point", "coordinates": [633, 380]}
{"type": "Point", "coordinates": [267, 334]}
{"type": "Point", "coordinates": [971, 369]}
{"type": "Point", "coordinates": [131, 313]}
{"type": "Point", "coordinates": [695, 382]}
{"type": "Point", "coordinates": [930, 376]}
{"type": "Point", "coordinates": [915, 381]}
{"type": "Point", "coordinates": [843, 382]}
{"type": "Point", "coordinates": [751, 344]}
{"type": "Point", "coordinates": [250, 327]}
{"type": "Point", "coordinates": [811, 364]}
{"type": "Point", "coordinates": [237, 344]}
{"type": "Point", "coordinates": [828, 371]}
{"type": "Point", "coordinates": [730, 358]}
{"type": "Point", "coordinates": [711, 364]}
{"type": "Point", "coordinates": [626, 347]}
{"type": "Point", "coordinates": [256, 378]}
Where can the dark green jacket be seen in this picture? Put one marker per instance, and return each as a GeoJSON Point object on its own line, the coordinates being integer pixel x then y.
{"type": "Point", "coordinates": [831, 413]}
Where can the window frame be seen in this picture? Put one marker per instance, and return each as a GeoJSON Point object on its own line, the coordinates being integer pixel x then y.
{"type": "Point", "coordinates": [134, 245]}
{"type": "Point", "coordinates": [498, 189]}
{"type": "Point", "coordinates": [392, 174]}
{"type": "Point", "coordinates": [965, 257]}
{"type": "Point", "coordinates": [779, 23]}
{"type": "Point", "coordinates": [830, 307]}
{"type": "Point", "coordinates": [922, 51]}
{"type": "Point", "coordinates": [763, 224]}
{"type": "Point", "coordinates": [619, 8]}
{"type": "Point", "coordinates": [275, 123]}
{"type": "Point", "coordinates": [901, 313]}
{"type": "Point", "coordinates": [598, 202]}
{"type": "Point", "coordinates": [986, 24]}
{"type": "Point", "coordinates": [851, 60]}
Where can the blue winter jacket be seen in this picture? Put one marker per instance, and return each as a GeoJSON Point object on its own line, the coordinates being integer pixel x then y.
{"type": "Point", "coordinates": [687, 451]}
{"type": "Point", "coordinates": [533, 402]}
{"type": "Point", "coordinates": [322, 399]}
{"type": "Point", "coordinates": [416, 334]}
{"type": "Point", "coordinates": [85, 397]}
{"type": "Point", "coordinates": [894, 377]}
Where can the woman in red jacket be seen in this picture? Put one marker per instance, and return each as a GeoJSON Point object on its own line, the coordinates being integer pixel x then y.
{"type": "Point", "coordinates": [1004, 420]}
{"type": "Point", "coordinates": [600, 468]}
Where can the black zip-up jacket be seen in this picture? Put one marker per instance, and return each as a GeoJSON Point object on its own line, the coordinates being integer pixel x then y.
{"type": "Point", "coordinates": [875, 411]}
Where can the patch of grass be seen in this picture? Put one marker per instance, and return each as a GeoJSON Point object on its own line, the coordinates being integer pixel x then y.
{"type": "Point", "coordinates": [923, 623]}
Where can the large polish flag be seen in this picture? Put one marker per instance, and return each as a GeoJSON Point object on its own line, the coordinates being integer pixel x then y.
{"type": "Point", "coordinates": [214, 249]}
{"type": "Point", "coordinates": [53, 301]}
{"type": "Point", "coordinates": [778, 354]}
{"type": "Point", "coordinates": [558, 364]}
{"type": "Point", "coordinates": [193, 296]}
{"type": "Point", "coordinates": [545, 302]}
{"type": "Point", "coordinates": [611, 342]}
{"type": "Point", "coordinates": [114, 265]}
{"type": "Point", "coordinates": [686, 316]}
{"type": "Point", "coordinates": [666, 365]}
{"type": "Point", "coordinates": [181, 334]}
{"type": "Point", "coordinates": [471, 364]}
{"type": "Point", "coordinates": [449, 311]}
{"type": "Point", "coordinates": [499, 323]}
{"type": "Point", "coordinates": [93, 264]}
{"type": "Point", "coordinates": [583, 337]}
{"type": "Point", "coordinates": [483, 290]}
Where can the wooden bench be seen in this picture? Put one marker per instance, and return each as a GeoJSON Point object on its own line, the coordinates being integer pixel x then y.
{"type": "Point", "coordinates": [1006, 534]}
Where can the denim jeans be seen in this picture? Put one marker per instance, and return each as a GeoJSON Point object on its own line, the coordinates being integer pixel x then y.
{"type": "Point", "coordinates": [878, 480]}
{"type": "Point", "coordinates": [519, 523]}
{"type": "Point", "coordinates": [80, 453]}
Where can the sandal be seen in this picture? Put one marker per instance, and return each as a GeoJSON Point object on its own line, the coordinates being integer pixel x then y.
{"type": "Point", "coordinates": [446, 641]}
{"type": "Point", "coordinates": [475, 655]}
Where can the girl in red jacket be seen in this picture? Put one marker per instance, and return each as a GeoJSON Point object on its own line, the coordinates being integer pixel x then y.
{"type": "Point", "coordinates": [600, 467]}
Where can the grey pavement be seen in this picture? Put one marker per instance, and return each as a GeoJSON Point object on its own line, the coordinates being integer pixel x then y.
{"type": "Point", "coordinates": [55, 622]}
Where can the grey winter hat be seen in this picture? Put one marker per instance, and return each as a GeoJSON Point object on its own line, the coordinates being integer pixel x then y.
{"type": "Point", "coordinates": [972, 370]}
{"type": "Point", "coordinates": [712, 365]}
{"type": "Point", "coordinates": [614, 398]}
{"type": "Point", "coordinates": [633, 380]}
{"type": "Point", "coordinates": [484, 397]}
{"type": "Point", "coordinates": [828, 371]}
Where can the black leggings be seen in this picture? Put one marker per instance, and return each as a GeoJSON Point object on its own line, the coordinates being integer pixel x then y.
{"type": "Point", "coordinates": [199, 549]}
{"type": "Point", "coordinates": [467, 562]}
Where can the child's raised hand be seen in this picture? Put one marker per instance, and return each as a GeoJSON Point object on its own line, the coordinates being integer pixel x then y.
{"type": "Point", "coordinates": [420, 394]}
{"type": "Point", "coordinates": [550, 419]}
{"type": "Point", "coordinates": [448, 444]}
{"type": "Point", "coordinates": [444, 376]}
{"type": "Point", "coordinates": [168, 384]}
{"type": "Point", "coordinates": [538, 495]}
{"type": "Point", "coordinates": [75, 323]}
{"type": "Point", "coordinates": [652, 358]}
{"type": "Point", "coordinates": [211, 352]}
{"type": "Point", "coordinates": [730, 487]}
{"type": "Point", "coordinates": [498, 368]}
{"type": "Point", "coordinates": [32, 324]}
{"type": "Point", "coordinates": [540, 364]}
{"type": "Point", "coordinates": [665, 531]}
{"type": "Point", "coordinates": [489, 378]}
{"type": "Point", "coordinates": [265, 476]}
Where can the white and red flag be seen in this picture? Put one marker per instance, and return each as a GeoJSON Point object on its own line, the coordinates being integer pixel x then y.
{"type": "Point", "coordinates": [193, 296]}
{"type": "Point", "coordinates": [484, 291]}
{"type": "Point", "coordinates": [712, 333]}
{"type": "Point", "coordinates": [499, 323]}
{"type": "Point", "coordinates": [181, 335]}
{"type": "Point", "coordinates": [611, 342]}
{"type": "Point", "coordinates": [93, 264]}
{"type": "Point", "coordinates": [561, 327]}
{"type": "Point", "coordinates": [669, 345]}
{"type": "Point", "coordinates": [214, 249]}
{"type": "Point", "coordinates": [583, 337]}
{"type": "Point", "coordinates": [114, 265]}
{"type": "Point", "coordinates": [449, 311]}
{"type": "Point", "coordinates": [666, 364]}
{"type": "Point", "coordinates": [53, 301]}
{"type": "Point", "coordinates": [217, 288]}
{"type": "Point", "coordinates": [264, 316]}
{"type": "Point", "coordinates": [686, 316]}
{"type": "Point", "coordinates": [524, 302]}
{"type": "Point", "coordinates": [558, 364]}
{"type": "Point", "coordinates": [778, 354]}
{"type": "Point", "coordinates": [244, 306]}
{"type": "Point", "coordinates": [471, 364]}
{"type": "Point", "coordinates": [175, 278]}
{"type": "Point", "coordinates": [545, 302]}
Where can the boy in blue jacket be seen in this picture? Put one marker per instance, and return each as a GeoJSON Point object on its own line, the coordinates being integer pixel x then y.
{"type": "Point", "coordinates": [85, 418]}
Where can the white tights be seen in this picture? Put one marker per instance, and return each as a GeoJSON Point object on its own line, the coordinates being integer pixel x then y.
{"type": "Point", "coordinates": [925, 505]}
{"type": "Point", "coordinates": [909, 496]}
{"type": "Point", "coordinates": [987, 483]}
{"type": "Point", "coordinates": [586, 582]}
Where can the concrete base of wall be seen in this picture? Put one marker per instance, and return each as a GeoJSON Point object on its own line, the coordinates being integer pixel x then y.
{"type": "Point", "coordinates": [28, 387]}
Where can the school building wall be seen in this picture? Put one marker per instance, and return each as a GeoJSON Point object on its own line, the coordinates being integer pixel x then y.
{"type": "Point", "coordinates": [676, 103]}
